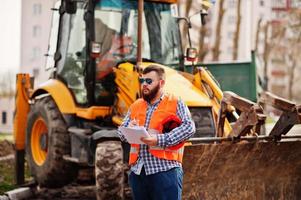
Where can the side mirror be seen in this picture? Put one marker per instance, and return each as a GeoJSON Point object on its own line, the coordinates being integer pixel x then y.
{"type": "Point", "coordinates": [191, 54]}
{"type": "Point", "coordinates": [203, 14]}
{"type": "Point", "coordinates": [95, 49]}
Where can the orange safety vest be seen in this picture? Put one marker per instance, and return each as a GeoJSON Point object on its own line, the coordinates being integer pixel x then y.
{"type": "Point", "coordinates": [166, 108]}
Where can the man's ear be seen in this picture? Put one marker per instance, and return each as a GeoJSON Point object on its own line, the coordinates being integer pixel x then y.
{"type": "Point", "coordinates": [162, 83]}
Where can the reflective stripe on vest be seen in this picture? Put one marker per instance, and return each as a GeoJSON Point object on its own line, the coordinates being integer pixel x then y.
{"type": "Point", "coordinates": [134, 150]}
{"type": "Point", "coordinates": [166, 108]}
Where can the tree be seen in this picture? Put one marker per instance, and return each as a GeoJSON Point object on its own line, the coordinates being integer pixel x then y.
{"type": "Point", "coordinates": [185, 27]}
{"type": "Point", "coordinates": [293, 50]}
{"type": "Point", "coordinates": [216, 47]}
{"type": "Point", "coordinates": [237, 31]}
{"type": "Point", "coordinates": [266, 54]}
{"type": "Point", "coordinates": [203, 48]}
{"type": "Point", "coordinates": [7, 84]}
{"type": "Point", "coordinates": [284, 46]}
{"type": "Point", "coordinates": [258, 28]}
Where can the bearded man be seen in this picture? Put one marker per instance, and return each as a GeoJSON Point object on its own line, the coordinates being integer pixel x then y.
{"type": "Point", "coordinates": [156, 169]}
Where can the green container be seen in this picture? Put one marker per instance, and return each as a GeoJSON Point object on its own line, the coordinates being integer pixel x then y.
{"type": "Point", "coordinates": [238, 77]}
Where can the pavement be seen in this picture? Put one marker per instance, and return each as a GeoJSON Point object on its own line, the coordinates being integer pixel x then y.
{"type": "Point", "coordinates": [296, 129]}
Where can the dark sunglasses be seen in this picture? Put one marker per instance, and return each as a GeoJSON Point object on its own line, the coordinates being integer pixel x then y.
{"type": "Point", "coordinates": [146, 80]}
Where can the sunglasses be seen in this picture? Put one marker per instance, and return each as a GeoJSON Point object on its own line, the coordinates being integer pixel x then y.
{"type": "Point", "coordinates": [146, 80]}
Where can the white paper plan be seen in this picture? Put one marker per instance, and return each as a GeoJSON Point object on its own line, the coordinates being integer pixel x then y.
{"type": "Point", "coordinates": [133, 134]}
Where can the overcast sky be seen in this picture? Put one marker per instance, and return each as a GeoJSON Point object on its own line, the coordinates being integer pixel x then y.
{"type": "Point", "coordinates": [10, 26]}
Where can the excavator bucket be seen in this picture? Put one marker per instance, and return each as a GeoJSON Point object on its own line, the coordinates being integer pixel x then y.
{"type": "Point", "coordinates": [244, 164]}
{"type": "Point", "coordinates": [252, 170]}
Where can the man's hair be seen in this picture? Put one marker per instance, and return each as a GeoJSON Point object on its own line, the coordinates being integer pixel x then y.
{"type": "Point", "coordinates": [159, 70]}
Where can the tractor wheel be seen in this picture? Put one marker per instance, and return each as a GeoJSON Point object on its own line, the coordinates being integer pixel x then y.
{"type": "Point", "coordinates": [109, 170]}
{"type": "Point", "coordinates": [47, 140]}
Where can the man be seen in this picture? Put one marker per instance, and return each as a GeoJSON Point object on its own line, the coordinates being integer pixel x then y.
{"type": "Point", "coordinates": [156, 170]}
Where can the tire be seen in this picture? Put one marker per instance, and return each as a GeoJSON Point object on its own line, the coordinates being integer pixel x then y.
{"type": "Point", "coordinates": [109, 170]}
{"type": "Point", "coordinates": [47, 140]}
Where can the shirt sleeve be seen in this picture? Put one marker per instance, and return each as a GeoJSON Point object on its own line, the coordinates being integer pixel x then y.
{"type": "Point", "coordinates": [125, 123]}
{"type": "Point", "coordinates": [182, 132]}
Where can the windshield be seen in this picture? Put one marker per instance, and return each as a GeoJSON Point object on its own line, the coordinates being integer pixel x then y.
{"type": "Point", "coordinates": [116, 31]}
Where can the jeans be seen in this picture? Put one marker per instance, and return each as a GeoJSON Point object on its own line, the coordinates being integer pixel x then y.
{"type": "Point", "coordinates": [160, 186]}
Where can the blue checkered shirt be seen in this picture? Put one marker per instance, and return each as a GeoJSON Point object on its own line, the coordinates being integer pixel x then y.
{"type": "Point", "coordinates": [151, 163]}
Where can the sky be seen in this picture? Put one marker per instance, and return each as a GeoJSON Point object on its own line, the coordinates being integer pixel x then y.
{"type": "Point", "coordinates": [10, 27]}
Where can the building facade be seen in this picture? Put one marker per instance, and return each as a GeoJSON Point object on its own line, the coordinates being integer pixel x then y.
{"type": "Point", "coordinates": [7, 116]}
{"type": "Point", "coordinates": [284, 62]}
{"type": "Point", "coordinates": [251, 12]}
{"type": "Point", "coordinates": [35, 29]}
{"type": "Point", "coordinates": [10, 18]}
{"type": "Point", "coordinates": [34, 26]}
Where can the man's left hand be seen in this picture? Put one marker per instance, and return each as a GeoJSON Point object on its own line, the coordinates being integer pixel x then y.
{"type": "Point", "coordinates": [150, 141]}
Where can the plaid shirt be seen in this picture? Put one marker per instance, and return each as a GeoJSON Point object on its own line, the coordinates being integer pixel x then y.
{"type": "Point", "coordinates": [151, 163]}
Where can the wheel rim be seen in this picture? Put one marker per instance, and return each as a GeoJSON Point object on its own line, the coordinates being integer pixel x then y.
{"type": "Point", "coordinates": [38, 134]}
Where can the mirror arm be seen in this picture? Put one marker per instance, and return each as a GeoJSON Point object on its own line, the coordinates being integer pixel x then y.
{"type": "Point", "coordinates": [187, 20]}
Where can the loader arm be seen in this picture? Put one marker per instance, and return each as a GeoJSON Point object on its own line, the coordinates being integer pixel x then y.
{"type": "Point", "coordinates": [23, 90]}
{"type": "Point", "coordinates": [243, 166]}
{"type": "Point", "coordinates": [291, 114]}
{"type": "Point", "coordinates": [250, 120]}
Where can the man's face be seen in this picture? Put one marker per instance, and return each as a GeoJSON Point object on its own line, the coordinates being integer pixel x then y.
{"type": "Point", "coordinates": [150, 85]}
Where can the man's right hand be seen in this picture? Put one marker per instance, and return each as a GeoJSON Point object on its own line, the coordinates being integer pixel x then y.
{"type": "Point", "coordinates": [133, 123]}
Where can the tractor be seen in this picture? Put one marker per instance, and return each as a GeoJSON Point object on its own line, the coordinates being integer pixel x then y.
{"type": "Point", "coordinates": [97, 51]}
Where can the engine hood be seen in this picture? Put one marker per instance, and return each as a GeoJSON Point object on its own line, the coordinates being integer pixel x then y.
{"type": "Point", "coordinates": [176, 84]}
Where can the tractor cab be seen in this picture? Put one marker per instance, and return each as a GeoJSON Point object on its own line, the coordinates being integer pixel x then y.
{"type": "Point", "coordinates": [97, 36]}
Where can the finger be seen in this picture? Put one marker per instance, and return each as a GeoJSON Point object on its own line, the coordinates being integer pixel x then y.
{"type": "Point", "coordinates": [145, 140]}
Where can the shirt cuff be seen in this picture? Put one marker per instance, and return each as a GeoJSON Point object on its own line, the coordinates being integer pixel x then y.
{"type": "Point", "coordinates": [161, 140]}
{"type": "Point", "coordinates": [122, 138]}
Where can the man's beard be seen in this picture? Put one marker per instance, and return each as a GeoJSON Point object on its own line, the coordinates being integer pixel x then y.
{"type": "Point", "coordinates": [152, 94]}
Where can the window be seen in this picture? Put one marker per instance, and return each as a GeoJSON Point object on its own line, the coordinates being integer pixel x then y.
{"type": "Point", "coordinates": [36, 31]}
{"type": "Point", "coordinates": [35, 72]}
{"type": "Point", "coordinates": [230, 35]}
{"type": "Point", "coordinates": [261, 3]}
{"type": "Point", "coordinates": [71, 68]}
{"type": "Point", "coordinates": [295, 4]}
{"type": "Point", "coordinates": [36, 51]}
{"type": "Point", "coordinates": [232, 19]}
{"type": "Point", "coordinates": [53, 37]}
{"type": "Point", "coordinates": [230, 50]}
{"type": "Point", "coordinates": [232, 4]}
{"type": "Point", "coordinates": [4, 117]}
{"type": "Point", "coordinates": [37, 9]}
{"type": "Point", "coordinates": [279, 3]}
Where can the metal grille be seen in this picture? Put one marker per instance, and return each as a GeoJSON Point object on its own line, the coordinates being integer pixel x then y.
{"type": "Point", "coordinates": [204, 122]}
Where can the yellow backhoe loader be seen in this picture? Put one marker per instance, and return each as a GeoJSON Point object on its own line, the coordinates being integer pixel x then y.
{"type": "Point", "coordinates": [96, 53]}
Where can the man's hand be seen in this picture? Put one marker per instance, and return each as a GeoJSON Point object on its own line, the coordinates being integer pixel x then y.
{"type": "Point", "coordinates": [150, 141]}
{"type": "Point", "coordinates": [133, 123]}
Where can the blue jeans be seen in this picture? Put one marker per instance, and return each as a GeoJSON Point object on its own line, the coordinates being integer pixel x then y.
{"type": "Point", "coordinates": [160, 186]}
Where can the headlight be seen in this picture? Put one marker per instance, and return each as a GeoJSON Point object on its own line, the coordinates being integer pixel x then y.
{"type": "Point", "coordinates": [204, 122]}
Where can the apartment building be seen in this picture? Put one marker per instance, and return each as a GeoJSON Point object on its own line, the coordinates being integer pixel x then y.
{"type": "Point", "coordinates": [251, 11]}
{"type": "Point", "coordinates": [6, 111]}
{"type": "Point", "coordinates": [10, 18]}
{"type": "Point", "coordinates": [283, 81]}
{"type": "Point", "coordinates": [34, 23]}
{"type": "Point", "coordinates": [35, 29]}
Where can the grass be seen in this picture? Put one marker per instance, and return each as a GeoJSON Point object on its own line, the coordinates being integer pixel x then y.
{"type": "Point", "coordinates": [6, 136]}
{"type": "Point", "coordinates": [6, 176]}
{"type": "Point", "coordinates": [7, 169]}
